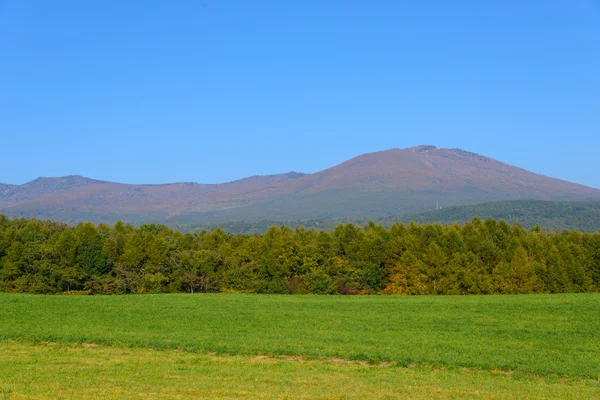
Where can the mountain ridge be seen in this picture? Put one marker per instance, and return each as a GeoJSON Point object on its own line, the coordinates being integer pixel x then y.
{"type": "Point", "coordinates": [388, 182]}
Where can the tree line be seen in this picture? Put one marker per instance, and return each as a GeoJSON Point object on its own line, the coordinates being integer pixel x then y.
{"type": "Point", "coordinates": [479, 257]}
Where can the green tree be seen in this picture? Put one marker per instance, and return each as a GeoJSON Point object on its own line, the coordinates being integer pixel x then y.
{"type": "Point", "coordinates": [522, 272]}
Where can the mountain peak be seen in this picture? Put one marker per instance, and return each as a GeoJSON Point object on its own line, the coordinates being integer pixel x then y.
{"type": "Point", "coordinates": [63, 179]}
{"type": "Point", "coordinates": [62, 182]}
{"type": "Point", "coordinates": [422, 148]}
{"type": "Point", "coordinates": [44, 185]}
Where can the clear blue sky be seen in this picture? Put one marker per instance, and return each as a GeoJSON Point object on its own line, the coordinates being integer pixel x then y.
{"type": "Point", "coordinates": [215, 90]}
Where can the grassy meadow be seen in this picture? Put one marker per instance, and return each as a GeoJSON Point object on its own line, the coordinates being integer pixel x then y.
{"type": "Point", "coordinates": [269, 346]}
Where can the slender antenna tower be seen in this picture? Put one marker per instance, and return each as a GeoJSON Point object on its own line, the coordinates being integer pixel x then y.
{"type": "Point", "coordinates": [437, 204]}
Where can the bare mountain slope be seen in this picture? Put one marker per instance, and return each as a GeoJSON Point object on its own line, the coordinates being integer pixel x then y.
{"type": "Point", "coordinates": [74, 198]}
{"type": "Point", "coordinates": [375, 184]}
{"type": "Point", "coordinates": [430, 168]}
{"type": "Point", "coordinates": [41, 187]}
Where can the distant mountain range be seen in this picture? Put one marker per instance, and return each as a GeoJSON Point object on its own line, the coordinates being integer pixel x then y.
{"type": "Point", "coordinates": [372, 185]}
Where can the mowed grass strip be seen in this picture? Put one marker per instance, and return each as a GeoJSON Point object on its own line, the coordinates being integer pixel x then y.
{"type": "Point", "coordinates": [537, 334]}
{"type": "Point", "coordinates": [72, 371]}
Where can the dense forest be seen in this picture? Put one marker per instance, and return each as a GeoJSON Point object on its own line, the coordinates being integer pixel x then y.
{"type": "Point", "coordinates": [479, 257]}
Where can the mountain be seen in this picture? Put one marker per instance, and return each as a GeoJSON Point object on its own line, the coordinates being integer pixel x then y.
{"type": "Point", "coordinates": [75, 198]}
{"type": "Point", "coordinates": [372, 185]}
{"type": "Point", "coordinates": [394, 182]}
{"type": "Point", "coordinates": [41, 187]}
{"type": "Point", "coordinates": [427, 168]}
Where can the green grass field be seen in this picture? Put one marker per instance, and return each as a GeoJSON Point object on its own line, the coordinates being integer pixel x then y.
{"type": "Point", "coordinates": [261, 346]}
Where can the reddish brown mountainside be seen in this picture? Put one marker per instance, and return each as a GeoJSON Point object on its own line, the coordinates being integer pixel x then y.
{"type": "Point", "coordinates": [430, 168]}
{"type": "Point", "coordinates": [77, 193]}
{"type": "Point", "coordinates": [382, 183]}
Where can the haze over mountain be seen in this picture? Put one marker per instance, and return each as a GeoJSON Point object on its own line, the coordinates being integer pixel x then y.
{"type": "Point", "coordinates": [371, 185]}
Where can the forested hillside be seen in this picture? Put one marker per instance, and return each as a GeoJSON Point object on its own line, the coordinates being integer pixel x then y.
{"type": "Point", "coordinates": [479, 257]}
{"type": "Point", "coordinates": [550, 215]}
